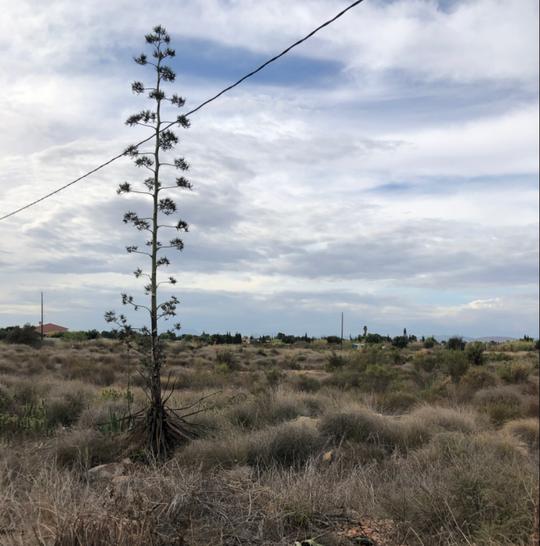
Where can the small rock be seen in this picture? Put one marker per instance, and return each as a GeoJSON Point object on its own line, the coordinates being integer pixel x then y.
{"type": "Point", "coordinates": [107, 471]}
{"type": "Point", "coordinates": [328, 457]}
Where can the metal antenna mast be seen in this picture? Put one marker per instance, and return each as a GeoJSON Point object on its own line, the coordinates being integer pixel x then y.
{"type": "Point", "coordinates": [341, 330]}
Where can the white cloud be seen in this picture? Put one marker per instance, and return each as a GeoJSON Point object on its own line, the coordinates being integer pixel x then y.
{"type": "Point", "coordinates": [473, 40]}
{"type": "Point", "coordinates": [490, 303]}
{"type": "Point", "coordinates": [489, 39]}
{"type": "Point", "coordinates": [290, 207]}
{"type": "Point", "coordinates": [505, 144]}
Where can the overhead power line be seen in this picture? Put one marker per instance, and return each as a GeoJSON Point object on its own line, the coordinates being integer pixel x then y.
{"type": "Point", "coordinates": [196, 109]}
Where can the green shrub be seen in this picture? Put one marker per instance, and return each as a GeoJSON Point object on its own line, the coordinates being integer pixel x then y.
{"type": "Point", "coordinates": [377, 378]}
{"type": "Point", "coordinates": [358, 360]}
{"type": "Point", "coordinates": [72, 336]}
{"type": "Point", "coordinates": [475, 352]}
{"type": "Point", "coordinates": [430, 342]}
{"type": "Point", "coordinates": [29, 419]}
{"type": "Point", "coordinates": [425, 362]}
{"type": "Point", "coordinates": [516, 372]}
{"type": "Point", "coordinates": [116, 420]}
{"type": "Point", "coordinates": [397, 357]}
{"type": "Point", "coordinates": [27, 335]}
{"type": "Point", "coordinates": [455, 344]}
{"type": "Point", "coordinates": [373, 338]}
{"type": "Point", "coordinates": [222, 368]}
{"type": "Point", "coordinates": [376, 355]}
{"type": "Point", "coordinates": [92, 334]}
{"type": "Point", "coordinates": [437, 388]}
{"type": "Point", "coordinates": [455, 364]}
{"type": "Point", "coordinates": [111, 394]}
{"type": "Point", "coordinates": [517, 345]}
{"type": "Point", "coordinates": [400, 342]}
{"type": "Point", "coordinates": [335, 361]}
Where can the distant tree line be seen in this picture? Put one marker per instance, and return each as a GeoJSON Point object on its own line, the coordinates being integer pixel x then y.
{"type": "Point", "coordinates": [29, 335]}
{"type": "Point", "coordinates": [214, 339]}
{"type": "Point", "coordinates": [26, 335]}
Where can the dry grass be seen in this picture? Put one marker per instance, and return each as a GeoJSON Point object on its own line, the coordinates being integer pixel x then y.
{"type": "Point", "coordinates": [524, 430]}
{"type": "Point", "coordinates": [293, 448]}
{"type": "Point", "coordinates": [462, 489]}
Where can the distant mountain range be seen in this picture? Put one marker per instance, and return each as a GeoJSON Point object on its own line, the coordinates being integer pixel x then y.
{"type": "Point", "coordinates": [497, 339]}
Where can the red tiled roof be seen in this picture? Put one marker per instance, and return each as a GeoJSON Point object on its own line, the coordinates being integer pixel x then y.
{"type": "Point", "coordinates": [50, 328]}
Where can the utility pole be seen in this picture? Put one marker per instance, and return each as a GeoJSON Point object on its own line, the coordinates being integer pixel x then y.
{"type": "Point", "coordinates": [41, 321]}
{"type": "Point", "coordinates": [342, 330]}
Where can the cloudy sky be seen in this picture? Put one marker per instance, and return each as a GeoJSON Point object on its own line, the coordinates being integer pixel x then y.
{"type": "Point", "coordinates": [387, 169]}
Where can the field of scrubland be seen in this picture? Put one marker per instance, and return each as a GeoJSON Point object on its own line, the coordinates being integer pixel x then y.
{"type": "Point", "coordinates": [372, 446]}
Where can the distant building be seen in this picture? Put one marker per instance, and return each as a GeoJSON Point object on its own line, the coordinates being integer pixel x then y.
{"type": "Point", "coordinates": [50, 329]}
